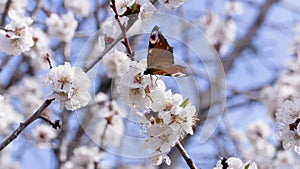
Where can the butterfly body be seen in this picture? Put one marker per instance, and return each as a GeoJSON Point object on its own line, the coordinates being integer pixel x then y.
{"type": "Point", "coordinates": [160, 60]}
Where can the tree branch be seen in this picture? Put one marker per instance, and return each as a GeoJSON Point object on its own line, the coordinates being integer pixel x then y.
{"type": "Point", "coordinates": [22, 126]}
{"type": "Point", "coordinates": [6, 9]}
{"type": "Point", "coordinates": [186, 157]}
{"type": "Point", "coordinates": [245, 41]}
{"type": "Point", "coordinates": [55, 124]}
{"type": "Point", "coordinates": [123, 29]}
{"type": "Point", "coordinates": [107, 49]}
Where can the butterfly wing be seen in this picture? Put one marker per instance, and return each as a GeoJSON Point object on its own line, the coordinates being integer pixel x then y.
{"type": "Point", "coordinates": [173, 70]}
{"type": "Point", "coordinates": [160, 53]}
{"type": "Point", "coordinates": [160, 58]}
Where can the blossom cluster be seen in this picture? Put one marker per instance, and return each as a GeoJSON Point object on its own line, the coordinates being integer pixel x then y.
{"type": "Point", "coordinates": [70, 86]}
{"type": "Point", "coordinates": [79, 7]}
{"type": "Point", "coordinates": [84, 157]}
{"type": "Point", "coordinates": [166, 116]}
{"type": "Point", "coordinates": [256, 145]}
{"type": "Point", "coordinates": [234, 163]}
{"type": "Point", "coordinates": [28, 94]}
{"type": "Point", "coordinates": [285, 88]}
{"type": "Point", "coordinates": [62, 27]}
{"type": "Point", "coordinates": [6, 160]}
{"type": "Point", "coordinates": [17, 36]}
{"type": "Point", "coordinates": [282, 101]}
{"type": "Point", "coordinates": [287, 84]}
{"type": "Point", "coordinates": [123, 5]}
{"type": "Point", "coordinates": [221, 32]}
{"type": "Point", "coordinates": [110, 125]}
{"type": "Point", "coordinates": [43, 135]}
{"type": "Point", "coordinates": [288, 118]}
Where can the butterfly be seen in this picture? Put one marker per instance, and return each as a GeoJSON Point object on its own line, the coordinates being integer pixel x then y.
{"type": "Point", "coordinates": [160, 60]}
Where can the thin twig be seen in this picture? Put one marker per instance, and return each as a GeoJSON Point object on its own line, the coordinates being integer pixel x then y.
{"type": "Point", "coordinates": [6, 9]}
{"type": "Point", "coordinates": [6, 30]}
{"type": "Point", "coordinates": [36, 8]}
{"type": "Point", "coordinates": [46, 11]}
{"type": "Point", "coordinates": [123, 29]}
{"type": "Point", "coordinates": [49, 61]}
{"type": "Point", "coordinates": [55, 124]}
{"type": "Point", "coordinates": [131, 21]}
{"type": "Point", "coordinates": [22, 126]}
{"type": "Point", "coordinates": [186, 157]}
{"type": "Point", "coordinates": [107, 49]}
{"type": "Point", "coordinates": [101, 147]}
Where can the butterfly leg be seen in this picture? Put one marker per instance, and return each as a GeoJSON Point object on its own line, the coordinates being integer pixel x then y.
{"type": "Point", "coordinates": [157, 78]}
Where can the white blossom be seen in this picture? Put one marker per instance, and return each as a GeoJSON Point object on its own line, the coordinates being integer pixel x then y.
{"type": "Point", "coordinates": [79, 7]}
{"type": "Point", "coordinates": [70, 86]}
{"type": "Point", "coordinates": [166, 117]}
{"type": "Point", "coordinates": [6, 162]}
{"type": "Point", "coordinates": [285, 88]}
{"type": "Point", "coordinates": [146, 11]}
{"type": "Point", "coordinates": [255, 144]}
{"type": "Point", "coordinates": [239, 136]}
{"type": "Point", "coordinates": [83, 157]}
{"type": "Point", "coordinates": [121, 5]}
{"type": "Point", "coordinates": [161, 138]}
{"type": "Point", "coordinates": [261, 151]}
{"type": "Point", "coordinates": [159, 159]}
{"type": "Point", "coordinates": [235, 163]}
{"type": "Point", "coordinates": [219, 32]}
{"type": "Point", "coordinates": [17, 36]}
{"type": "Point", "coordinates": [258, 130]}
{"type": "Point", "coordinates": [63, 28]}
{"type": "Point", "coordinates": [135, 88]}
{"type": "Point", "coordinates": [109, 131]}
{"type": "Point", "coordinates": [180, 119]}
{"type": "Point", "coordinates": [115, 63]}
{"type": "Point", "coordinates": [232, 8]}
{"type": "Point", "coordinates": [273, 97]}
{"type": "Point", "coordinates": [29, 94]}
{"type": "Point", "coordinates": [288, 118]}
{"type": "Point", "coordinates": [110, 125]}
{"type": "Point", "coordinates": [285, 159]}
{"type": "Point", "coordinates": [43, 134]}
{"type": "Point", "coordinates": [109, 32]}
